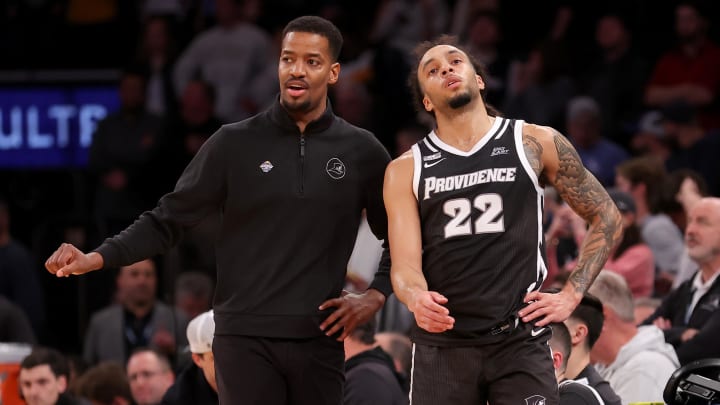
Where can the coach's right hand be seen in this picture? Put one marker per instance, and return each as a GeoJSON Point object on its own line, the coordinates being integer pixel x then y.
{"type": "Point", "coordinates": [430, 312]}
{"type": "Point", "coordinates": [68, 260]}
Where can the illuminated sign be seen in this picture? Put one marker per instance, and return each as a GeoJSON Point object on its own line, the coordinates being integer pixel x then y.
{"type": "Point", "coordinates": [44, 127]}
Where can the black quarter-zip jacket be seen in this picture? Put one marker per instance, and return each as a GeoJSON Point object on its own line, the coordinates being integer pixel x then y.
{"type": "Point", "coordinates": [291, 206]}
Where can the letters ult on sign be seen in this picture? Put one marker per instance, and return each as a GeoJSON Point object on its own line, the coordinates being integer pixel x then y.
{"type": "Point", "coordinates": [51, 127]}
{"type": "Point", "coordinates": [20, 127]}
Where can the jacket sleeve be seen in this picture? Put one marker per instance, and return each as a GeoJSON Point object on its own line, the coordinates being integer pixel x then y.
{"type": "Point", "coordinates": [200, 190]}
{"type": "Point", "coordinates": [377, 217]}
{"type": "Point", "coordinates": [704, 344]}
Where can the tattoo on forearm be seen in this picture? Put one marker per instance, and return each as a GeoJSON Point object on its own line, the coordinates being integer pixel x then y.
{"type": "Point", "coordinates": [588, 198]}
{"type": "Point", "coordinates": [533, 151]}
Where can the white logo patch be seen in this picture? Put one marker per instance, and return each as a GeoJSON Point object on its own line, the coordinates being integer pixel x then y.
{"type": "Point", "coordinates": [536, 332]}
{"type": "Point", "coordinates": [499, 150]}
{"type": "Point", "coordinates": [335, 168]}
{"type": "Point", "coordinates": [426, 165]}
{"type": "Point", "coordinates": [434, 156]}
{"type": "Point", "coordinates": [266, 166]}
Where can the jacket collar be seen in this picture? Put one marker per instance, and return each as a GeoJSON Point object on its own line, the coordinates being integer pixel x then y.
{"type": "Point", "coordinates": [280, 116]}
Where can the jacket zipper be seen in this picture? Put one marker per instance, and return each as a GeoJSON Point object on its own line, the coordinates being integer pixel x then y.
{"type": "Point", "coordinates": [302, 164]}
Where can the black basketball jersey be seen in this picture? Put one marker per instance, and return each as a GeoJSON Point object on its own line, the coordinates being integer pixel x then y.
{"type": "Point", "coordinates": [481, 219]}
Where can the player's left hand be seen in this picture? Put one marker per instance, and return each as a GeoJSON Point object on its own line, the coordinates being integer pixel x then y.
{"type": "Point", "coordinates": [547, 308]}
{"type": "Point", "coordinates": [352, 310]}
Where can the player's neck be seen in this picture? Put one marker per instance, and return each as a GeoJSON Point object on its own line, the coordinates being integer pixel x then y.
{"type": "Point", "coordinates": [463, 128]}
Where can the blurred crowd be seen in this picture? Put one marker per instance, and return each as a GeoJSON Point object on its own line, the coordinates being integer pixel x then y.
{"type": "Point", "coordinates": [634, 85]}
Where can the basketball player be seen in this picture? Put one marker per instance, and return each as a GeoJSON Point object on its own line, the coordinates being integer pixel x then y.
{"type": "Point", "coordinates": [465, 210]}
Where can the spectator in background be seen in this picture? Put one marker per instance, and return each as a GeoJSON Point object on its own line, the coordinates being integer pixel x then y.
{"type": "Point", "coordinates": [18, 277]}
{"type": "Point", "coordinates": [14, 323]}
{"type": "Point", "coordinates": [399, 347]}
{"type": "Point", "coordinates": [584, 326]}
{"type": "Point", "coordinates": [156, 53]}
{"type": "Point", "coordinates": [616, 78]}
{"type": "Point", "coordinates": [196, 384]}
{"type": "Point", "coordinates": [690, 315]}
{"type": "Point", "coordinates": [584, 129]}
{"type": "Point", "coordinates": [690, 71]}
{"type": "Point", "coordinates": [644, 307]}
{"type": "Point", "coordinates": [571, 392]}
{"type": "Point", "coordinates": [482, 41]}
{"type": "Point", "coordinates": [686, 187]}
{"type": "Point", "coordinates": [632, 258]}
{"type": "Point", "coordinates": [636, 361]}
{"type": "Point", "coordinates": [150, 376]}
{"type": "Point", "coordinates": [183, 136]}
{"type": "Point", "coordinates": [136, 320]}
{"type": "Point", "coordinates": [695, 147]}
{"type": "Point", "coordinates": [105, 384]}
{"type": "Point", "coordinates": [122, 146]}
{"type": "Point", "coordinates": [193, 293]}
{"type": "Point", "coordinates": [649, 138]}
{"type": "Point", "coordinates": [230, 56]}
{"type": "Point", "coordinates": [539, 86]}
{"type": "Point", "coordinates": [44, 377]}
{"type": "Point", "coordinates": [370, 375]}
{"type": "Point", "coordinates": [643, 179]}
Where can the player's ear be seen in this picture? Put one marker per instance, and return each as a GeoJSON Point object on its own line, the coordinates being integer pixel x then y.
{"type": "Point", "coordinates": [480, 82]}
{"type": "Point", "coordinates": [427, 104]}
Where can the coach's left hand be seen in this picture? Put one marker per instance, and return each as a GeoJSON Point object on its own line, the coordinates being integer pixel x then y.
{"type": "Point", "coordinates": [352, 310]}
{"type": "Point", "coordinates": [548, 307]}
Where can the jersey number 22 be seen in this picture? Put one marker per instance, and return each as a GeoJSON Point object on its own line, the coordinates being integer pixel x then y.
{"type": "Point", "coordinates": [460, 211]}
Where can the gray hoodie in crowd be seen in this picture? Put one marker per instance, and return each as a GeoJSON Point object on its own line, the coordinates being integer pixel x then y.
{"type": "Point", "coordinates": [642, 367]}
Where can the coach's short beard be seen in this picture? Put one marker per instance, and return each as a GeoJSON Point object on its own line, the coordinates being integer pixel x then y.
{"type": "Point", "coordinates": [459, 101]}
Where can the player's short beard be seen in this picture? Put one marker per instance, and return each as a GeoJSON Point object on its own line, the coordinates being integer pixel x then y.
{"type": "Point", "coordinates": [460, 100]}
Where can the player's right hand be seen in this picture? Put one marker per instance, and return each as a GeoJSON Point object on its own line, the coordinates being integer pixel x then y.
{"type": "Point", "coordinates": [430, 314]}
{"type": "Point", "coordinates": [68, 259]}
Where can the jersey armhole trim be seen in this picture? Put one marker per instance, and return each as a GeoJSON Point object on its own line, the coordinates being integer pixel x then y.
{"type": "Point", "coordinates": [417, 166]}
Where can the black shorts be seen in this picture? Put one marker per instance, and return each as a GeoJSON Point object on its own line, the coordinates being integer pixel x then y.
{"type": "Point", "coordinates": [254, 370]}
{"type": "Point", "coordinates": [517, 370]}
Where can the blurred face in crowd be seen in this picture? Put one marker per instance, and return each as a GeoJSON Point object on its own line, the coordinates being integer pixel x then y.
{"type": "Point", "coordinates": [206, 361]}
{"type": "Point", "coordinates": [156, 35]}
{"type": "Point", "coordinates": [137, 283]}
{"type": "Point", "coordinates": [132, 92]}
{"type": "Point", "coordinates": [149, 378]}
{"type": "Point", "coordinates": [610, 32]}
{"type": "Point", "coordinates": [702, 235]}
{"type": "Point", "coordinates": [689, 25]}
{"type": "Point", "coordinates": [305, 70]}
{"type": "Point", "coordinates": [197, 106]}
{"type": "Point", "coordinates": [40, 386]}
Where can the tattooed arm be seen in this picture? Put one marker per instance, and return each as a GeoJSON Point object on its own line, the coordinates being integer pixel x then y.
{"type": "Point", "coordinates": [556, 162]}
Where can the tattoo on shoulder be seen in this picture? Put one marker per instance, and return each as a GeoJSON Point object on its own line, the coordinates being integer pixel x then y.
{"type": "Point", "coordinates": [588, 198]}
{"type": "Point", "coordinates": [533, 150]}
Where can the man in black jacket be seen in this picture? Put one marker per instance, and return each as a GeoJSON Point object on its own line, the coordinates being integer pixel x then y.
{"type": "Point", "coordinates": [196, 384]}
{"type": "Point", "coordinates": [690, 315]}
{"type": "Point", "coordinates": [370, 376]}
{"type": "Point", "coordinates": [291, 183]}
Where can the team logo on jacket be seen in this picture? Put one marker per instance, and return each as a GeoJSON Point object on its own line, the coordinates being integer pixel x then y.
{"type": "Point", "coordinates": [266, 166]}
{"type": "Point", "coordinates": [535, 400]}
{"type": "Point", "coordinates": [335, 168]}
